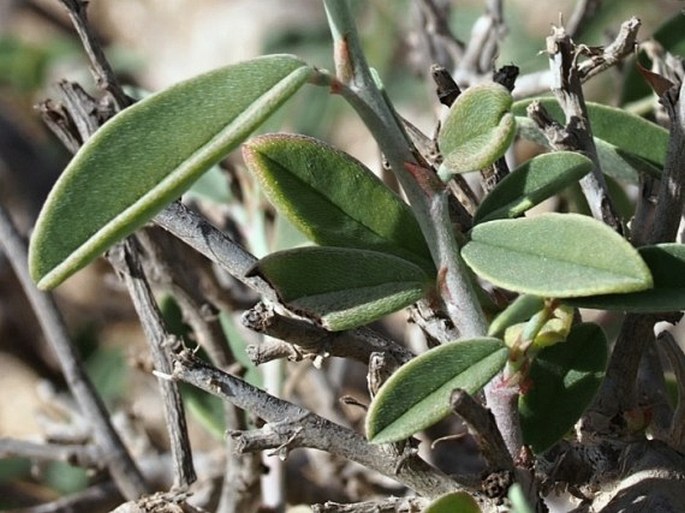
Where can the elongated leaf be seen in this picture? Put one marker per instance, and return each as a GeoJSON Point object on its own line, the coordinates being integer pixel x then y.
{"type": "Point", "coordinates": [556, 255]}
{"type": "Point", "coordinates": [148, 155]}
{"type": "Point", "coordinates": [418, 394]}
{"type": "Point", "coordinates": [614, 161]}
{"type": "Point", "coordinates": [342, 288]}
{"type": "Point", "coordinates": [531, 183]}
{"type": "Point", "coordinates": [667, 265]}
{"type": "Point", "coordinates": [565, 377]}
{"type": "Point", "coordinates": [629, 133]}
{"type": "Point", "coordinates": [457, 502]}
{"type": "Point", "coordinates": [478, 129]}
{"type": "Point", "coordinates": [333, 198]}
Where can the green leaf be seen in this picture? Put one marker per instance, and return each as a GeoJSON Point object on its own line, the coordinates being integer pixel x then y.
{"type": "Point", "coordinates": [342, 288]}
{"type": "Point", "coordinates": [531, 183]}
{"type": "Point", "coordinates": [456, 502]}
{"type": "Point", "coordinates": [418, 394]}
{"type": "Point", "coordinates": [333, 198]}
{"type": "Point", "coordinates": [522, 309]}
{"type": "Point", "coordinates": [564, 379]}
{"type": "Point", "coordinates": [555, 255]}
{"type": "Point", "coordinates": [615, 162]}
{"type": "Point", "coordinates": [148, 155]}
{"type": "Point", "coordinates": [667, 265]}
{"type": "Point", "coordinates": [629, 133]}
{"type": "Point", "coordinates": [519, 503]}
{"type": "Point", "coordinates": [478, 130]}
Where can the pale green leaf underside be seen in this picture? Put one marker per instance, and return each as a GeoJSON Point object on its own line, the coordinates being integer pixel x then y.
{"type": "Point", "coordinates": [564, 379]}
{"type": "Point", "coordinates": [342, 288]}
{"type": "Point", "coordinates": [332, 198]}
{"type": "Point", "coordinates": [556, 255]}
{"type": "Point", "coordinates": [531, 183]}
{"type": "Point", "coordinates": [418, 394]}
{"type": "Point", "coordinates": [478, 130]}
{"type": "Point", "coordinates": [148, 155]}
{"type": "Point", "coordinates": [667, 265]}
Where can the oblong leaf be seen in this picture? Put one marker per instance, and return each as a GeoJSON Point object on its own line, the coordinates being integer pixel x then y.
{"type": "Point", "coordinates": [148, 155]}
{"type": "Point", "coordinates": [628, 132]}
{"type": "Point", "coordinates": [455, 502]}
{"type": "Point", "coordinates": [531, 183]}
{"type": "Point", "coordinates": [615, 162]}
{"type": "Point", "coordinates": [342, 288]}
{"type": "Point", "coordinates": [556, 255]}
{"type": "Point", "coordinates": [564, 379]}
{"type": "Point", "coordinates": [418, 394]}
{"type": "Point", "coordinates": [333, 198]}
{"type": "Point", "coordinates": [667, 265]}
{"type": "Point", "coordinates": [478, 130]}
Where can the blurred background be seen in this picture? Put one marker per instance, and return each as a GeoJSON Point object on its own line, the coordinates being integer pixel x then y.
{"type": "Point", "coordinates": [153, 44]}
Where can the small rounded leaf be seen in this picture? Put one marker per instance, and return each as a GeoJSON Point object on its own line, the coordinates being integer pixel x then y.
{"type": "Point", "coordinates": [565, 377]}
{"type": "Point", "coordinates": [532, 183]}
{"type": "Point", "coordinates": [556, 255]}
{"type": "Point", "coordinates": [148, 155]}
{"type": "Point", "coordinates": [418, 394]}
{"type": "Point", "coordinates": [342, 288]}
{"type": "Point", "coordinates": [334, 199]}
{"type": "Point", "coordinates": [478, 130]}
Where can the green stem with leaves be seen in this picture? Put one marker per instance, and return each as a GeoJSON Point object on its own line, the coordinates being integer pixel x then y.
{"type": "Point", "coordinates": [425, 192]}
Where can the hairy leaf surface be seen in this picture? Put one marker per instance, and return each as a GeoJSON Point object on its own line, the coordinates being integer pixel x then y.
{"type": "Point", "coordinates": [148, 155]}
{"type": "Point", "coordinates": [478, 130]}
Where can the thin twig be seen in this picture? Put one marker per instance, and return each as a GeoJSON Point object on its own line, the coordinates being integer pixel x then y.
{"type": "Point", "coordinates": [675, 355]}
{"type": "Point", "coordinates": [99, 497]}
{"type": "Point", "coordinates": [584, 11]}
{"type": "Point", "coordinates": [482, 425]}
{"type": "Point", "coordinates": [567, 89]}
{"type": "Point", "coordinates": [357, 344]}
{"type": "Point", "coordinates": [124, 257]}
{"type": "Point", "coordinates": [75, 454]}
{"type": "Point", "coordinates": [205, 238]}
{"type": "Point", "coordinates": [441, 46]}
{"type": "Point", "coordinates": [391, 505]}
{"type": "Point", "coordinates": [314, 431]}
{"type": "Point", "coordinates": [119, 462]}
{"type": "Point", "coordinates": [669, 204]}
{"type": "Point", "coordinates": [102, 71]}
